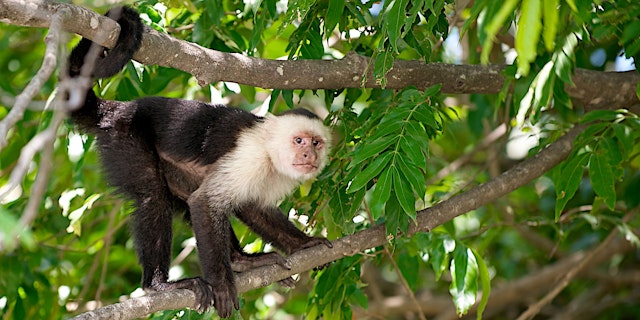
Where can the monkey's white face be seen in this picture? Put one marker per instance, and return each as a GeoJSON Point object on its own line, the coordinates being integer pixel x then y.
{"type": "Point", "coordinates": [302, 148]}
{"type": "Point", "coordinates": [307, 150]}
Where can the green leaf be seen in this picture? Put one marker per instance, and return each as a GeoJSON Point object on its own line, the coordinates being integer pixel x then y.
{"type": "Point", "coordinates": [414, 152]}
{"type": "Point", "coordinates": [287, 95]}
{"type": "Point", "coordinates": [382, 191]}
{"type": "Point", "coordinates": [426, 115]}
{"type": "Point", "coordinates": [295, 12]}
{"type": "Point", "coordinates": [438, 256]}
{"type": "Point", "coordinates": [370, 172]}
{"type": "Point", "coordinates": [572, 5]}
{"type": "Point", "coordinates": [409, 267]}
{"type": "Point", "coordinates": [485, 282]}
{"type": "Point", "coordinates": [383, 63]}
{"type": "Point", "coordinates": [396, 115]}
{"type": "Point", "coordinates": [625, 137]}
{"type": "Point", "coordinates": [600, 115]}
{"type": "Point", "coordinates": [386, 128]}
{"type": "Point", "coordinates": [416, 132]}
{"type": "Point", "coordinates": [433, 90]}
{"type": "Point", "coordinates": [550, 14]}
{"type": "Point", "coordinates": [395, 219]}
{"type": "Point", "coordinates": [564, 59]}
{"type": "Point", "coordinates": [464, 275]}
{"type": "Point", "coordinates": [507, 8]}
{"type": "Point", "coordinates": [371, 149]}
{"type": "Point", "coordinates": [630, 32]}
{"type": "Point", "coordinates": [568, 180]}
{"type": "Point", "coordinates": [413, 175]}
{"type": "Point", "coordinates": [395, 19]}
{"type": "Point", "coordinates": [334, 12]}
{"type": "Point", "coordinates": [353, 9]}
{"type": "Point", "coordinates": [601, 174]}
{"type": "Point", "coordinates": [528, 33]}
{"type": "Point", "coordinates": [404, 194]}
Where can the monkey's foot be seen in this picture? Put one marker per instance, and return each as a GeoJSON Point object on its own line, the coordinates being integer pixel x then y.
{"type": "Point", "coordinates": [202, 289]}
{"type": "Point", "coordinates": [225, 297]}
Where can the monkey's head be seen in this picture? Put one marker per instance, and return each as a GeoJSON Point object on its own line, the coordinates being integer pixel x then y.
{"type": "Point", "coordinates": [299, 144]}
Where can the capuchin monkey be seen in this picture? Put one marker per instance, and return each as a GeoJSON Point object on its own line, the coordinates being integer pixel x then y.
{"type": "Point", "coordinates": [213, 161]}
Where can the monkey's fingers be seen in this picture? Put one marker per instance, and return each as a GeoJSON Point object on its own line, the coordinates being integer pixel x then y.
{"type": "Point", "coordinates": [242, 263]}
{"type": "Point", "coordinates": [314, 241]}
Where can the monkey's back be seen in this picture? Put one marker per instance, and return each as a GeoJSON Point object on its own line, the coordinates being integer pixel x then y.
{"type": "Point", "coordinates": [188, 129]}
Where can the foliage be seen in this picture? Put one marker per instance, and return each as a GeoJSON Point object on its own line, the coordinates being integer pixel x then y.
{"type": "Point", "coordinates": [391, 158]}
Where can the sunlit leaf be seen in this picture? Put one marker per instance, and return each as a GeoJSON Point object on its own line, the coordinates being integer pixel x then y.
{"type": "Point", "coordinates": [528, 33]}
{"type": "Point", "coordinates": [485, 282]}
{"type": "Point", "coordinates": [464, 274]}
{"type": "Point", "coordinates": [550, 14]}
{"type": "Point", "coordinates": [506, 9]}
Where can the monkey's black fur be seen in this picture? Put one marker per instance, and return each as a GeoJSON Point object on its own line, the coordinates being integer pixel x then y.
{"type": "Point", "coordinates": [168, 155]}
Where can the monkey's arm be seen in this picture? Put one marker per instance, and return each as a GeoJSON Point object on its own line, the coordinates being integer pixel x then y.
{"type": "Point", "coordinates": [273, 226]}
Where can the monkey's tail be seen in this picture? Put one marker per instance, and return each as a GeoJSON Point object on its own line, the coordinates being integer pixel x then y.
{"type": "Point", "coordinates": [107, 62]}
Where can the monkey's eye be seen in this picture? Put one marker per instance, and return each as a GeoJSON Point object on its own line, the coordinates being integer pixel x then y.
{"type": "Point", "coordinates": [316, 142]}
{"type": "Point", "coordinates": [298, 140]}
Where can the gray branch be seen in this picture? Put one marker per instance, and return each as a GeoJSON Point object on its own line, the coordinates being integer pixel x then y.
{"type": "Point", "coordinates": [593, 89]}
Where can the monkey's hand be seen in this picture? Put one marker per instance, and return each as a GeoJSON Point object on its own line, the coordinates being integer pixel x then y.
{"type": "Point", "coordinates": [241, 262]}
{"type": "Point", "coordinates": [314, 241]}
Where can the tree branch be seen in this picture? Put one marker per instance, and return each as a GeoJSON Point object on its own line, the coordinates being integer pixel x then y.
{"type": "Point", "coordinates": [593, 89]}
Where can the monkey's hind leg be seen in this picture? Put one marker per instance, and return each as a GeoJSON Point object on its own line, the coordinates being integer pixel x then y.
{"type": "Point", "coordinates": [133, 167]}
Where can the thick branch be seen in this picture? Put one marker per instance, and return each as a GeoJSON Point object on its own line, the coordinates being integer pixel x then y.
{"type": "Point", "coordinates": [593, 88]}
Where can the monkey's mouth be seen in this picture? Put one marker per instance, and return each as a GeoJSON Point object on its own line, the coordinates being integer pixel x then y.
{"type": "Point", "coordinates": [305, 167]}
